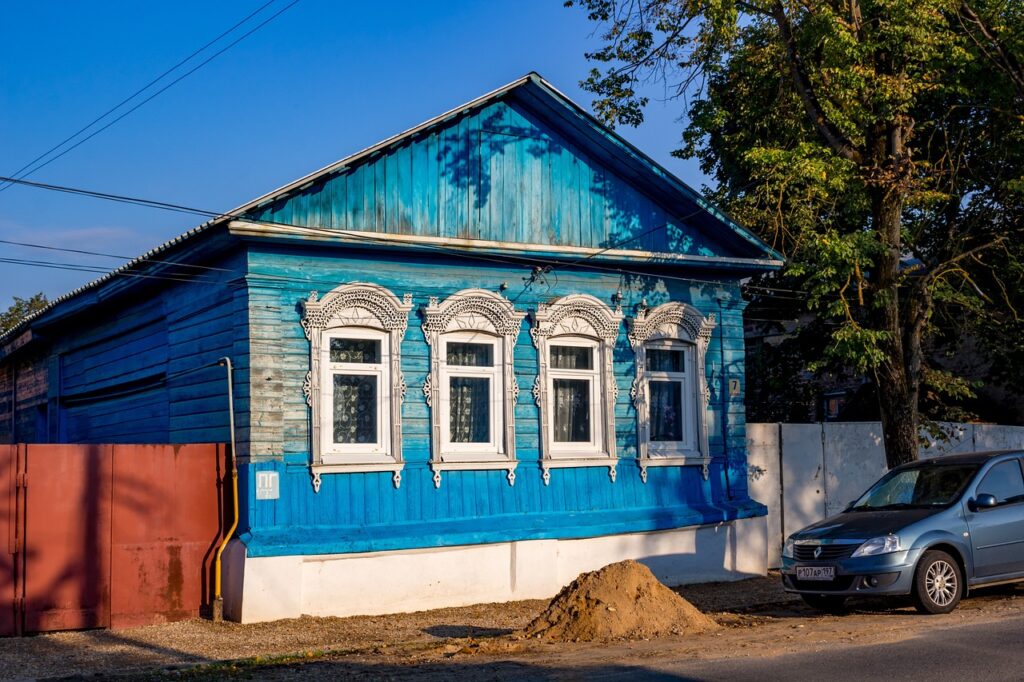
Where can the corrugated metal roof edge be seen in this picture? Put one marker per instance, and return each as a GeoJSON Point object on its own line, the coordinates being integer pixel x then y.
{"type": "Point", "coordinates": [330, 168]}
{"type": "Point", "coordinates": [264, 198]}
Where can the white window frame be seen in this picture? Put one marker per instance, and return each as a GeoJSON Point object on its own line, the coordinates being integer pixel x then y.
{"type": "Point", "coordinates": [594, 447]}
{"type": "Point", "coordinates": [368, 453]}
{"type": "Point", "coordinates": [355, 310]}
{"type": "Point", "coordinates": [477, 315]}
{"type": "Point", "coordinates": [571, 320]}
{"type": "Point", "coordinates": [677, 325]}
{"type": "Point", "coordinates": [468, 452]}
{"type": "Point", "coordinates": [689, 445]}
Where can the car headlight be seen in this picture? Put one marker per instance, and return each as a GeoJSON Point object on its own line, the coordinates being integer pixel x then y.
{"type": "Point", "coordinates": [883, 545]}
{"type": "Point", "coordinates": [787, 548]}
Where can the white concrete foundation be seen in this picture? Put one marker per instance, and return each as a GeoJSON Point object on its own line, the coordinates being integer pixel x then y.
{"type": "Point", "coordinates": [268, 588]}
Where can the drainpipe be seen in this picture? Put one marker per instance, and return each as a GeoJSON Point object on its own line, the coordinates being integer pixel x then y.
{"type": "Point", "coordinates": [218, 600]}
{"type": "Point", "coordinates": [724, 389]}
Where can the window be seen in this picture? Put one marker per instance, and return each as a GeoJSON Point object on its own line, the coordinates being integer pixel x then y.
{"type": "Point", "coordinates": [670, 391]}
{"type": "Point", "coordinates": [355, 386]}
{"type": "Point", "coordinates": [471, 388]}
{"type": "Point", "coordinates": [576, 428]}
{"type": "Point", "coordinates": [1005, 482]}
{"type": "Point", "coordinates": [575, 387]}
{"type": "Point", "coordinates": [356, 367]}
{"type": "Point", "coordinates": [471, 395]}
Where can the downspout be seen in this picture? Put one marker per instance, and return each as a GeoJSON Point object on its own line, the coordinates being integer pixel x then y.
{"type": "Point", "coordinates": [723, 388]}
{"type": "Point", "coordinates": [218, 599]}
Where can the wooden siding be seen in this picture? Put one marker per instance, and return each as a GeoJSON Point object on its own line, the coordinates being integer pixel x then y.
{"type": "Point", "coordinates": [364, 512]}
{"type": "Point", "coordinates": [138, 370]}
{"type": "Point", "coordinates": [500, 173]}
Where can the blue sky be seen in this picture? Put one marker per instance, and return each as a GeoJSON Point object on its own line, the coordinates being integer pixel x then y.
{"type": "Point", "coordinates": [324, 79]}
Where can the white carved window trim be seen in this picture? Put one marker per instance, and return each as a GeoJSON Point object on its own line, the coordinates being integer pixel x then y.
{"type": "Point", "coordinates": [573, 317]}
{"type": "Point", "coordinates": [461, 316]}
{"type": "Point", "coordinates": [671, 322]}
{"type": "Point", "coordinates": [356, 307]}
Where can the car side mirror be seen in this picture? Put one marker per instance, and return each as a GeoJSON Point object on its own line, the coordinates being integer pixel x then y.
{"type": "Point", "coordinates": [982, 501]}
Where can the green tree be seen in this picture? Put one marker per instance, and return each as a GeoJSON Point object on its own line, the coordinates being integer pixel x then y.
{"type": "Point", "coordinates": [879, 144]}
{"type": "Point", "coordinates": [20, 309]}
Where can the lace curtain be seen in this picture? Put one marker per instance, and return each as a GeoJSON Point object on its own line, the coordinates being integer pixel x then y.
{"type": "Point", "coordinates": [355, 408]}
{"type": "Point", "coordinates": [572, 410]}
{"type": "Point", "coordinates": [470, 410]}
{"type": "Point", "coordinates": [666, 411]}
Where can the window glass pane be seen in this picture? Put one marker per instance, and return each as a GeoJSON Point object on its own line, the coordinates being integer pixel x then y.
{"type": "Point", "coordinates": [572, 357]}
{"type": "Point", "coordinates": [572, 410]}
{"type": "Point", "coordinates": [471, 354]}
{"type": "Point", "coordinates": [1004, 481]}
{"type": "Point", "coordinates": [666, 411]}
{"type": "Point", "coordinates": [355, 408]}
{"type": "Point", "coordinates": [666, 360]}
{"type": "Point", "coordinates": [355, 350]}
{"type": "Point", "coordinates": [470, 409]}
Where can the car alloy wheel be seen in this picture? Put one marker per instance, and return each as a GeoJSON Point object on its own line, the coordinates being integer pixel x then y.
{"type": "Point", "coordinates": [938, 584]}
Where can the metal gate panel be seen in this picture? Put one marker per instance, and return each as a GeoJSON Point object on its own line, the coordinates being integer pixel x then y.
{"type": "Point", "coordinates": [67, 537]}
{"type": "Point", "coordinates": [8, 513]}
{"type": "Point", "coordinates": [166, 527]}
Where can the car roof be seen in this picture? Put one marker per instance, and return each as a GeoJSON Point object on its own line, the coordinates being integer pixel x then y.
{"type": "Point", "coordinates": [963, 458]}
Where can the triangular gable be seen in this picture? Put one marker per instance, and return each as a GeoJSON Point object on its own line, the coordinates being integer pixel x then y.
{"type": "Point", "coordinates": [520, 165]}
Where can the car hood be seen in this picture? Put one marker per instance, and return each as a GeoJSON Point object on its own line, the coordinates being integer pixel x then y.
{"type": "Point", "coordinates": [863, 525]}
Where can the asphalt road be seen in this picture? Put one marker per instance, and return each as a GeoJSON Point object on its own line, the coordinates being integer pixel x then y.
{"type": "Point", "coordinates": [989, 651]}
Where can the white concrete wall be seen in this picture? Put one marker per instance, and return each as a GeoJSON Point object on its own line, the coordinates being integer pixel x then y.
{"type": "Point", "coordinates": [806, 472]}
{"type": "Point", "coordinates": [269, 588]}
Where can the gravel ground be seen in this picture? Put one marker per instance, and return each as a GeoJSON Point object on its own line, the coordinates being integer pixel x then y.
{"type": "Point", "coordinates": [759, 619]}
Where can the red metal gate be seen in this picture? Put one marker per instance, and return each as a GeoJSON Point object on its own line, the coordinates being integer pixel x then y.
{"type": "Point", "coordinates": [8, 507]}
{"type": "Point", "coordinates": [109, 535]}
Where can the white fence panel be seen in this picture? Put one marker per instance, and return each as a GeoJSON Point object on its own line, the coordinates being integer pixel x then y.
{"type": "Point", "coordinates": [803, 476]}
{"type": "Point", "coordinates": [764, 482]}
{"type": "Point", "coordinates": [854, 455]}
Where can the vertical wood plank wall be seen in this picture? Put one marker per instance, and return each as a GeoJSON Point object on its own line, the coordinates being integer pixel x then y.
{"type": "Point", "coordinates": [501, 174]}
{"type": "Point", "coordinates": [364, 511]}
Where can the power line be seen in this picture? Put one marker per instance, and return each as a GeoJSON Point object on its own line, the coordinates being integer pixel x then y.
{"type": "Point", "coordinates": [132, 96]}
{"type": "Point", "coordinates": [546, 266]}
{"type": "Point", "coordinates": [160, 91]}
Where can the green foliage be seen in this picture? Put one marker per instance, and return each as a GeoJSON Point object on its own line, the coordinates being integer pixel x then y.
{"type": "Point", "coordinates": [878, 144]}
{"type": "Point", "coordinates": [20, 309]}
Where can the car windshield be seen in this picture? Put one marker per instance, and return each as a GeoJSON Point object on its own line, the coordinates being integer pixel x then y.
{"type": "Point", "coordinates": [930, 485]}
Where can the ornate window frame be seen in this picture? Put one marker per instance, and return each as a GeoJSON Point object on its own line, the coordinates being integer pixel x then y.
{"type": "Point", "coordinates": [483, 312]}
{"type": "Point", "coordinates": [366, 306]}
{"type": "Point", "coordinates": [672, 321]}
{"type": "Point", "coordinates": [579, 316]}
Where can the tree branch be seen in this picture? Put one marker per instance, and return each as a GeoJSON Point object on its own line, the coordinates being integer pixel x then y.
{"type": "Point", "coordinates": [1005, 59]}
{"type": "Point", "coordinates": [831, 134]}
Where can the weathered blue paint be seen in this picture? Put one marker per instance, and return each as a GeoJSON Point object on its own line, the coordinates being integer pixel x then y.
{"type": "Point", "coordinates": [366, 513]}
{"type": "Point", "coordinates": [500, 173]}
{"type": "Point", "coordinates": [133, 360]}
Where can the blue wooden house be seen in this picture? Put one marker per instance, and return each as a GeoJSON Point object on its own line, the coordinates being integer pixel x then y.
{"type": "Point", "coordinates": [473, 360]}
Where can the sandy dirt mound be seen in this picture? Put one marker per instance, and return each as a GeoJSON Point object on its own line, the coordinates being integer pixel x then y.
{"type": "Point", "coordinates": [619, 601]}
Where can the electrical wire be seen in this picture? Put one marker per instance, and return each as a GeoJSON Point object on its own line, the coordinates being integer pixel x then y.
{"type": "Point", "coordinates": [160, 91]}
{"type": "Point", "coordinates": [132, 96]}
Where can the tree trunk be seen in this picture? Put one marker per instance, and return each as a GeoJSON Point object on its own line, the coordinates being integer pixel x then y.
{"type": "Point", "coordinates": [898, 376]}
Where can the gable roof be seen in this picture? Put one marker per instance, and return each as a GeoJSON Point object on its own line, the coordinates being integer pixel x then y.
{"type": "Point", "coordinates": [540, 96]}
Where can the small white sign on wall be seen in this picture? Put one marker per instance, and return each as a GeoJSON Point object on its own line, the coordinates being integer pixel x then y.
{"type": "Point", "coordinates": [267, 485]}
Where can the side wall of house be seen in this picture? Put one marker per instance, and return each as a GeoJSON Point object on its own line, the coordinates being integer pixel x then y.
{"type": "Point", "coordinates": [139, 368]}
{"type": "Point", "coordinates": [359, 512]}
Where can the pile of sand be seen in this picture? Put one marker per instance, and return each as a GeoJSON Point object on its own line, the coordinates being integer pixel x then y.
{"type": "Point", "coordinates": [619, 601]}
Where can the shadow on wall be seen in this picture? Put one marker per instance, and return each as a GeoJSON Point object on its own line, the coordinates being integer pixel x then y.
{"type": "Point", "coordinates": [114, 536]}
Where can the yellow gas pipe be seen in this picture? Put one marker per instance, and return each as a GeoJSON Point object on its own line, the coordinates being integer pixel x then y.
{"type": "Point", "coordinates": [218, 600]}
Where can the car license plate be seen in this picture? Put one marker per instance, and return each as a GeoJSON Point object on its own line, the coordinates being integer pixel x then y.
{"type": "Point", "coordinates": [815, 572]}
